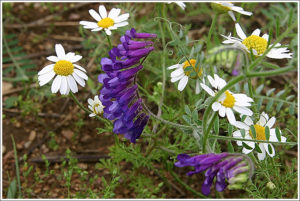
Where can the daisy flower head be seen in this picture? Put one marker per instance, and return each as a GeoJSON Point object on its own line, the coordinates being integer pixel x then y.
{"type": "Point", "coordinates": [107, 21]}
{"type": "Point", "coordinates": [260, 134]}
{"type": "Point", "coordinates": [228, 101]}
{"type": "Point", "coordinates": [95, 106]}
{"type": "Point", "coordinates": [228, 7]}
{"type": "Point", "coordinates": [258, 45]}
{"type": "Point", "coordinates": [184, 71]}
{"type": "Point", "coordinates": [179, 3]}
{"type": "Point", "coordinates": [66, 71]}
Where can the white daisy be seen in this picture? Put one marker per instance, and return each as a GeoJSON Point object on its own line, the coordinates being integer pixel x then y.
{"type": "Point", "coordinates": [95, 106]}
{"type": "Point", "coordinates": [228, 7]}
{"type": "Point", "coordinates": [66, 74]}
{"type": "Point", "coordinates": [257, 44]}
{"type": "Point", "coordinates": [183, 74]}
{"type": "Point", "coordinates": [106, 21]}
{"type": "Point", "coordinates": [259, 127]}
{"type": "Point", "coordinates": [179, 3]}
{"type": "Point", "coordinates": [228, 100]}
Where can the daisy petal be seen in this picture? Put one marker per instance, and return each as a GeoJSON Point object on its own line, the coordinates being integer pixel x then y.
{"type": "Point", "coordinates": [64, 85]}
{"type": "Point", "coordinates": [88, 25]}
{"type": "Point", "coordinates": [121, 24]}
{"type": "Point", "coordinates": [266, 37]}
{"type": "Point", "coordinates": [248, 121]}
{"type": "Point", "coordinates": [79, 67]}
{"type": "Point", "coordinates": [182, 83]}
{"type": "Point", "coordinates": [97, 29]}
{"type": "Point", "coordinates": [45, 78]}
{"type": "Point", "coordinates": [174, 66]}
{"type": "Point", "coordinates": [95, 15]}
{"type": "Point", "coordinates": [75, 58]}
{"type": "Point", "coordinates": [231, 14]}
{"type": "Point", "coordinates": [72, 84]}
{"type": "Point", "coordinates": [243, 110]}
{"type": "Point", "coordinates": [175, 79]}
{"type": "Point", "coordinates": [122, 18]}
{"type": "Point", "coordinates": [207, 89]}
{"type": "Point", "coordinates": [114, 13]}
{"type": "Point", "coordinates": [216, 106]}
{"type": "Point", "coordinates": [46, 69]}
{"type": "Point", "coordinates": [78, 79]}
{"type": "Point", "coordinates": [53, 58]}
{"type": "Point", "coordinates": [266, 145]}
{"type": "Point", "coordinates": [230, 116]}
{"type": "Point", "coordinates": [240, 32]}
{"type": "Point", "coordinates": [60, 51]}
{"type": "Point", "coordinates": [256, 32]}
{"type": "Point", "coordinates": [222, 111]}
{"type": "Point", "coordinates": [271, 122]}
{"type": "Point", "coordinates": [81, 74]}
{"type": "Point", "coordinates": [237, 134]}
{"type": "Point", "coordinates": [261, 156]}
{"type": "Point", "coordinates": [177, 72]}
{"type": "Point", "coordinates": [108, 32]}
{"type": "Point", "coordinates": [241, 125]}
{"type": "Point", "coordinates": [102, 11]}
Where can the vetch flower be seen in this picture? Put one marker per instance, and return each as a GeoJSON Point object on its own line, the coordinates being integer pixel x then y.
{"type": "Point", "coordinates": [184, 71]}
{"type": "Point", "coordinates": [119, 90]}
{"type": "Point", "coordinates": [66, 71]}
{"type": "Point", "coordinates": [258, 45]}
{"type": "Point", "coordinates": [260, 134]}
{"type": "Point", "coordinates": [230, 170]}
{"type": "Point", "coordinates": [108, 22]}
{"type": "Point", "coordinates": [95, 106]}
{"type": "Point", "coordinates": [228, 101]}
{"type": "Point", "coordinates": [228, 7]}
{"type": "Point", "coordinates": [181, 4]}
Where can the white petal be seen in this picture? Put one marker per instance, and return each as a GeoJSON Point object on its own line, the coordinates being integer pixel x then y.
{"type": "Point", "coordinates": [212, 82]}
{"type": "Point", "coordinates": [122, 18]}
{"type": "Point", "coordinates": [242, 103]}
{"type": "Point", "coordinates": [175, 79]}
{"type": "Point", "coordinates": [121, 24]}
{"type": "Point", "coordinates": [231, 14]}
{"type": "Point", "coordinates": [230, 116]}
{"type": "Point", "coordinates": [207, 89]}
{"type": "Point", "coordinates": [64, 85]}
{"type": "Point", "coordinates": [242, 97]}
{"type": "Point", "coordinates": [182, 83]}
{"type": "Point", "coordinates": [108, 32]}
{"type": "Point", "coordinates": [248, 121]}
{"type": "Point", "coordinates": [216, 106]}
{"type": "Point", "coordinates": [267, 150]}
{"type": "Point", "coordinates": [72, 84]}
{"type": "Point", "coordinates": [241, 125]}
{"type": "Point", "coordinates": [69, 56]}
{"type": "Point", "coordinates": [102, 11]}
{"type": "Point", "coordinates": [114, 13]}
{"type": "Point", "coordinates": [247, 151]}
{"type": "Point", "coordinates": [79, 67]}
{"type": "Point", "coordinates": [177, 72]}
{"type": "Point", "coordinates": [53, 58]}
{"type": "Point", "coordinates": [88, 25]}
{"type": "Point", "coordinates": [256, 32]}
{"type": "Point", "coordinates": [56, 84]}
{"type": "Point", "coordinates": [95, 15]}
{"type": "Point", "coordinates": [81, 74]}
{"type": "Point", "coordinates": [197, 90]}
{"type": "Point", "coordinates": [262, 120]}
{"type": "Point", "coordinates": [222, 111]}
{"type": "Point", "coordinates": [237, 134]}
{"type": "Point", "coordinates": [261, 156]}
{"type": "Point", "coordinates": [266, 37]}
{"type": "Point", "coordinates": [46, 69]}
{"type": "Point", "coordinates": [243, 110]}
{"type": "Point", "coordinates": [60, 51]}
{"type": "Point", "coordinates": [240, 32]}
{"type": "Point", "coordinates": [45, 78]}
{"type": "Point", "coordinates": [97, 29]}
{"type": "Point", "coordinates": [78, 79]}
{"type": "Point", "coordinates": [92, 115]}
{"type": "Point", "coordinates": [75, 58]}
{"type": "Point", "coordinates": [91, 102]}
{"type": "Point", "coordinates": [174, 66]}
{"type": "Point", "coordinates": [271, 122]}
{"type": "Point", "coordinates": [279, 53]}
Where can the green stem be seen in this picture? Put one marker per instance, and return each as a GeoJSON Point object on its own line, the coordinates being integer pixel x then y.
{"type": "Point", "coordinates": [250, 140]}
{"type": "Point", "coordinates": [207, 111]}
{"type": "Point", "coordinates": [211, 30]}
{"type": "Point", "coordinates": [251, 94]}
{"type": "Point", "coordinates": [108, 40]}
{"type": "Point", "coordinates": [210, 125]}
{"type": "Point", "coordinates": [17, 167]}
{"type": "Point", "coordinates": [187, 187]}
{"type": "Point", "coordinates": [271, 72]}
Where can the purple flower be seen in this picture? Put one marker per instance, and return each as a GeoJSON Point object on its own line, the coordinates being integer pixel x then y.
{"type": "Point", "coordinates": [225, 167]}
{"type": "Point", "coordinates": [119, 92]}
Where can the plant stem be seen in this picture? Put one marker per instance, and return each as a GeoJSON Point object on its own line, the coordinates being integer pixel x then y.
{"type": "Point", "coordinates": [251, 93]}
{"type": "Point", "coordinates": [108, 40]}
{"type": "Point", "coordinates": [17, 167]}
{"type": "Point", "coordinates": [250, 140]}
{"type": "Point", "coordinates": [211, 30]}
{"type": "Point", "coordinates": [271, 72]}
{"type": "Point", "coordinates": [208, 130]}
{"type": "Point", "coordinates": [208, 109]}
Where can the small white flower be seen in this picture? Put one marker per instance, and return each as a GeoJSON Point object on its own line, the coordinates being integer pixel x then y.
{"type": "Point", "coordinates": [263, 122]}
{"type": "Point", "coordinates": [228, 101]}
{"type": "Point", "coordinates": [257, 44]}
{"type": "Point", "coordinates": [228, 7]}
{"type": "Point", "coordinates": [67, 75]}
{"type": "Point", "coordinates": [95, 106]}
{"type": "Point", "coordinates": [182, 74]}
{"type": "Point", "coordinates": [105, 21]}
{"type": "Point", "coordinates": [181, 4]}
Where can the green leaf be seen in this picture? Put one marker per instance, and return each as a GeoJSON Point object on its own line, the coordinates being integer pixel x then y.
{"type": "Point", "coordinates": [216, 125]}
{"type": "Point", "coordinates": [188, 69]}
{"type": "Point", "coordinates": [269, 105]}
{"type": "Point", "coordinates": [230, 147]}
{"type": "Point", "coordinates": [243, 132]}
{"type": "Point", "coordinates": [187, 119]}
{"type": "Point", "coordinates": [270, 91]}
{"type": "Point", "coordinates": [246, 146]}
{"type": "Point", "coordinates": [11, 102]}
{"type": "Point", "coordinates": [198, 103]}
{"type": "Point", "coordinates": [259, 89]}
{"type": "Point", "coordinates": [195, 115]}
{"type": "Point", "coordinates": [279, 105]}
{"type": "Point", "coordinates": [253, 132]}
{"type": "Point", "coordinates": [280, 93]}
{"type": "Point", "coordinates": [193, 74]}
{"type": "Point", "coordinates": [259, 103]}
{"type": "Point", "coordinates": [12, 189]}
{"type": "Point", "coordinates": [187, 110]}
{"type": "Point", "coordinates": [278, 134]}
{"type": "Point", "coordinates": [229, 130]}
{"type": "Point", "coordinates": [270, 149]}
{"type": "Point", "coordinates": [289, 97]}
{"type": "Point", "coordinates": [267, 133]}
{"type": "Point", "coordinates": [257, 148]}
{"type": "Point", "coordinates": [291, 109]}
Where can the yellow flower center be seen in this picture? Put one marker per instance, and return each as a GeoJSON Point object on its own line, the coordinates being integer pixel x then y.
{"type": "Point", "coordinates": [106, 22]}
{"type": "Point", "coordinates": [260, 132]}
{"type": "Point", "coordinates": [229, 100]}
{"type": "Point", "coordinates": [192, 72]}
{"type": "Point", "coordinates": [257, 43]}
{"type": "Point", "coordinates": [63, 67]}
{"type": "Point", "coordinates": [220, 8]}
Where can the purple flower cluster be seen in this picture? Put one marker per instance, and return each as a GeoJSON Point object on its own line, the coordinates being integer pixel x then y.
{"type": "Point", "coordinates": [225, 167]}
{"type": "Point", "coordinates": [119, 91]}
